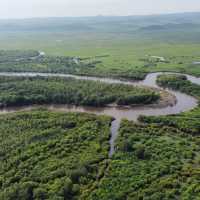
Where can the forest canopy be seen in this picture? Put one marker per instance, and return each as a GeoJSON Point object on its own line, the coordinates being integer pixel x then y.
{"type": "Point", "coordinates": [48, 155]}
{"type": "Point", "coordinates": [19, 91]}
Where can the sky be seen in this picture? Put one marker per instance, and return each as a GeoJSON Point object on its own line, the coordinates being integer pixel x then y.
{"type": "Point", "coordinates": [60, 8]}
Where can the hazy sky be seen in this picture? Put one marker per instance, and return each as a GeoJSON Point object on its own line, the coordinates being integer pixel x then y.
{"type": "Point", "coordinates": [43, 8]}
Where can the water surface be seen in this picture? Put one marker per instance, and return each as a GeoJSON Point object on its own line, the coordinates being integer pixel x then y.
{"type": "Point", "coordinates": [183, 103]}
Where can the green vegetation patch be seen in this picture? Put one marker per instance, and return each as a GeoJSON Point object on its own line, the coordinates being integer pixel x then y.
{"type": "Point", "coordinates": [46, 155]}
{"type": "Point", "coordinates": [33, 61]}
{"type": "Point", "coordinates": [159, 159]}
{"type": "Point", "coordinates": [179, 82]}
{"type": "Point", "coordinates": [25, 91]}
{"type": "Point", "coordinates": [16, 55]}
{"type": "Point", "coordinates": [189, 121]}
{"type": "Point", "coordinates": [152, 162]}
{"type": "Point", "coordinates": [117, 56]}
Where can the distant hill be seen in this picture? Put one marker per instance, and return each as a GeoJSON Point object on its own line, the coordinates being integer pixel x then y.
{"type": "Point", "coordinates": [167, 27]}
{"type": "Point", "coordinates": [102, 23]}
{"type": "Point", "coordinates": [171, 27]}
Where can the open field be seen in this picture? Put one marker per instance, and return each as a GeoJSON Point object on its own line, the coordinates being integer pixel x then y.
{"type": "Point", "coordinates": [117, 53]}
{"type": "Point", "coordinates": [122, 45]}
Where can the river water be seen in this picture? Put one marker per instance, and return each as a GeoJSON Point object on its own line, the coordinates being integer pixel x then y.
{"type": "Point", "coordinates": [184, 102]}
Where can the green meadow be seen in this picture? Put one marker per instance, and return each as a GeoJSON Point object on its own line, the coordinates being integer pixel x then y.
{"type": "Point", "coordinates": [120, 45]}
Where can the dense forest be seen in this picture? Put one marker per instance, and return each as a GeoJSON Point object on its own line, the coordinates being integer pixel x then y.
{"type": "Point", "coordinates": [188, 122]}
{"type": "Point", "coordinates": [158, 158]}
{"type": "Point", "coordinates": [48, 155]}
{"type": "Point", "coordinates": [152, 162]}
{"type": "Point", "coordinates": [15, 55]}
{"type": "Point", "coordinates": [18, 91]}
{"type": "Point", "coordinates": [179, 82]}
{"type": "Point", "coordinates": [33, 61]}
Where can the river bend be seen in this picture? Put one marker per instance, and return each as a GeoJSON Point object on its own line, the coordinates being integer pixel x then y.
{"type": "Point", "coordinates": [183, 103]}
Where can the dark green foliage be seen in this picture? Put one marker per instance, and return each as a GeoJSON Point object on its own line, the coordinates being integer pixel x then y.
{"type": "Point", "coordinates": [32, 61]}
{"type": "Point", "coordinates": [179, 82]}
{"type": "Point", "coordinates": [188, 122]}
{"type": "Point", "coordinates": [16, 56]}
{"type": "Point", "coordinates": [44, 157]}
{"type": "Point", "coordinates": [158, 160]}
{"type": "Point", "coordinates": [162, 163]}
{"type": "Point", "coordinates": [26, 91]}
{"type": "Point", "coordinates": [137, 99]}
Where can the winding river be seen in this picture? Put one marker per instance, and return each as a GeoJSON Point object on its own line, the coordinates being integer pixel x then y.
{"type": "Point", "coordinates": [183, 102]}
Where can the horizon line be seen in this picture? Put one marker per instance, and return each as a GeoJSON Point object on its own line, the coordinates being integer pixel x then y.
{"type": "Point", "coordinates": [101, 15]}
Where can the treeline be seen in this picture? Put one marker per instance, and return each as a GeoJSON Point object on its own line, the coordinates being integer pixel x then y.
{"type": "Point", "coordinates": [188, 122]}
{"type": "Point", "coordinates": [46, 155]}
{"type": "Point", "coordinates": [30, 61]}
{"type": "Point", "coordinates": [151, 162]}
{"type": "Point", "coordinates": [179, 82]}
{"type": "Point", "coordinates": [16, 55]}
{"type": "Point", "coordinates": [16, 91]}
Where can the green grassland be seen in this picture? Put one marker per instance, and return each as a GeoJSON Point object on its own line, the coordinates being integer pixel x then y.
{"type": "Point", "coordinates": [124, 54]}
{"type": "Point", "coordinates": [123, 45]}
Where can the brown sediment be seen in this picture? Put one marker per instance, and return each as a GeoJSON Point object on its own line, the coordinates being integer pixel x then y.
{"type": "Point", "coordinates": [166, 99]}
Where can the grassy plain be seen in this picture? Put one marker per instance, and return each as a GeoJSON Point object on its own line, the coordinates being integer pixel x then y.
{"type": "Point", "coordinates": [124, 42]}
{"type": "Point", "coordinates": [123, 53]}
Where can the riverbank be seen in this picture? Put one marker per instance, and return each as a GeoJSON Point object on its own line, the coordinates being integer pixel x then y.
{"type": "Point", "coordinates": [167, 105]}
